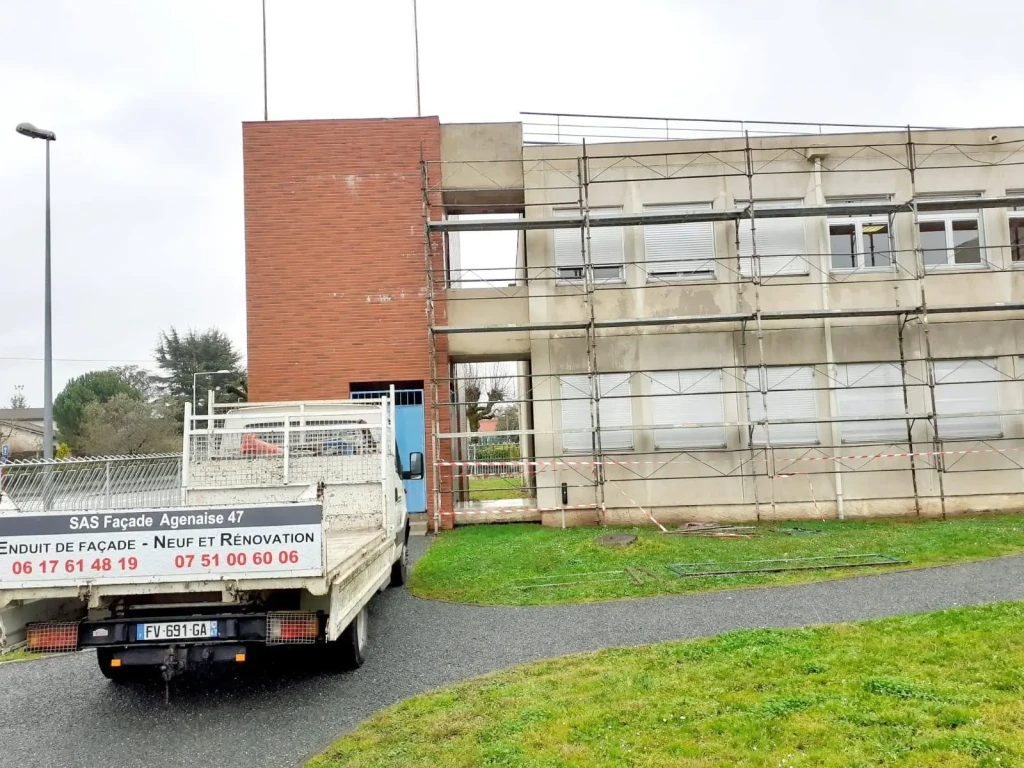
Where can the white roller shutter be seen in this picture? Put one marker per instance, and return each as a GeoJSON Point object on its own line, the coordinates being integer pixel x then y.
{"type": "Point", "coordinates": [688, 397]}
{"type": "Point", "coordinates": [673, 249]}
{"type": "Point", "coordinates": [801, 403]}
{"type": "Point", "coordinates": [575, 394]}
{"type": "Point", "coordinates": [967, 386]}
{"type": "Point", "coordinates": [616, 413]}
{"type": "Point", "coordinates": [868, 390]}
{"type": "Point", "coordinates": [780, 242]}
{"type": "Point", "coordinates": [605, 242]}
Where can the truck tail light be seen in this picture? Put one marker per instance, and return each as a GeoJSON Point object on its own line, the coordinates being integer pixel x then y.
{"type": "Point", "coordinates": [289, 627]}
{"type": "Point", "coordinates": [52, 637]}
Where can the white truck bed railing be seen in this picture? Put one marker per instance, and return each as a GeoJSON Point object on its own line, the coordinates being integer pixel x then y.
{"type": "Point", "coordinates": [341, 452]}
{"type": "Point", "coordinates": [250, 445]}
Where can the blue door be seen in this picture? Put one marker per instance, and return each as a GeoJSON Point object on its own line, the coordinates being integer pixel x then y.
{"type": "Point", "coordinates": [409, 431]}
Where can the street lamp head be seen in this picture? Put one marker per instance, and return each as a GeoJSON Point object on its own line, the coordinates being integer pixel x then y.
{"type": "Point", "coordinates": [27, 129]}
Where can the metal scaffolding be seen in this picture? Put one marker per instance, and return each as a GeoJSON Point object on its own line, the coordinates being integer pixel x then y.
{"type": "Point", "coordinates": [758, 459]}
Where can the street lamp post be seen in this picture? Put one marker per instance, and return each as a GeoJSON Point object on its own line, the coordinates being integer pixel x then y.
{"type": "Point", "coordinates": [195, 378]}
{"type": "Point", "coordinates": [27, 129]}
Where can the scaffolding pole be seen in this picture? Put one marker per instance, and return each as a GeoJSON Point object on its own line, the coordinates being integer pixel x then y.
{"type": "Point", "coordinates": [762, 367]}
{"type": "Point", "coordinates": [434, 420]}
{"type": "Point", "coordinates": [923, 318]}
{"type": "Point", "coordinates": [592, 368]}
{"type": "Point", "coordinates": [901, 324]}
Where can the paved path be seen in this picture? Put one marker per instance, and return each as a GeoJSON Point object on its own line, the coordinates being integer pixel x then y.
{"type": "Point", "coordinates": [59, 712]}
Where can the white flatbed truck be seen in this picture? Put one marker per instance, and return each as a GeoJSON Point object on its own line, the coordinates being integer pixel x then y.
{"type": "Point", "coordinates": [292, 518]}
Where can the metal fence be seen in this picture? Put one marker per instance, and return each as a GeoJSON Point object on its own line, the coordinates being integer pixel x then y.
{"type": "Point", "coordinates": [496, 459]}
{"type": "Point", "coordinates": [105, 482]}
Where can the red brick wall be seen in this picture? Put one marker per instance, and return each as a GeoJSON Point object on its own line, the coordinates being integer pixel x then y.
{"type": "Point", "coordinates": [334, 258]}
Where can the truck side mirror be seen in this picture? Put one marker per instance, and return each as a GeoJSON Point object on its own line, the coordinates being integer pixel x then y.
{"type": "Point", "coordinates": [415, 471]}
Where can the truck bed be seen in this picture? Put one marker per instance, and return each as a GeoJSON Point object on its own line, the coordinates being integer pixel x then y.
{"type": "Point", "coordinates": [346, 548]}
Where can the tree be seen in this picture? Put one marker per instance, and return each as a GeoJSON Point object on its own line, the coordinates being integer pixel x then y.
{"type": "Point", "coordinates": [93, 387]}
{"type": "Point", "coordinates": [18, 399]}
{"type": "Point", "coordinates": [180, 357]}
{"type": "Point", "coordinates": [137, 377]}
{"type": "Point", "coordinates": [127, 425]}
{"type": "Point", "coordinates": [483, 387]}
{"type": "Point", "coordinates": [508, 418]}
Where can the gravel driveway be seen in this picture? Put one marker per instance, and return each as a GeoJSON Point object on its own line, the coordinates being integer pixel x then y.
{"type": "Point", "coordinates": [60, 712]}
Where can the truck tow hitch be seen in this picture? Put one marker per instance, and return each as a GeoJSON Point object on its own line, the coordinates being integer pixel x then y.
{"type": "Point", "coordinates": [175, 662]}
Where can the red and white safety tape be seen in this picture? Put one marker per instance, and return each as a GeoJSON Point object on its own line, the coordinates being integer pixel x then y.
{"type": "Point", "coordinates": [634, 503]}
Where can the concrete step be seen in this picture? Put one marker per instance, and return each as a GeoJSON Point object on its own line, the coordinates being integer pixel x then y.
{"type": "Point", "coordinates": [417, 525]}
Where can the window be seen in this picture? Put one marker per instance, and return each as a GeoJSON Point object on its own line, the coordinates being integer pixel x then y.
{"type": "Point", "coordinates": [860, 242]}
{"type": "Point", "coordinates": [780, 242]}
{"type": "Point", "coordinates": [967, 386]}
{"type": "Point", "coordinates": [1017, 230]}
{"type": "Point", "coordinates": [684, 249]}
{"type": "Point", "coordinates": [615, 411]}
{"type": "Point", "coordinates": [791, 396]}
{"type": "Point", "coordinates": [950, 238]}
{"type": "Point", "coordinates": [606, 252]}
{"type": "Point", "coordinates": [866, 391]}
{"type": "Point", "coordinates": [688, 397]}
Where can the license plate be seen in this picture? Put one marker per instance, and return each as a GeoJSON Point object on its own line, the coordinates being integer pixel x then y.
{"type": "Point", "coordinates": [177, 630]}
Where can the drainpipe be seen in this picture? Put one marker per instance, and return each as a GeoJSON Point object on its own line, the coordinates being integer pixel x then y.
{"type": "Point", "coordinates": [830, 360]}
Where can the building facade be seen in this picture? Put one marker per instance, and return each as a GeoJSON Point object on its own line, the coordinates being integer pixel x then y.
{"type": "Point", "coordinates": [21, 430]}
{"type": "Point", "coordinates": [822, 324]}
{"type": "Point", "coordinates": [335, 288]}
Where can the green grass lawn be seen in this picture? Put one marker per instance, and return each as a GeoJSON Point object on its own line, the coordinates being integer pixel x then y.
{"type": "Point", "coordinates": [498, 564]}
{"type": "Point", "coordinates": [19, 655]}
{"type": "Point", "coordinates": [942, 689]}
{"type": "Point", "coordinates": [495, 488]}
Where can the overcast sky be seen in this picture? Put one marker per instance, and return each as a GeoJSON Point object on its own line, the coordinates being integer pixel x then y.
{"type": "Point", "coordinates": [147, 100]}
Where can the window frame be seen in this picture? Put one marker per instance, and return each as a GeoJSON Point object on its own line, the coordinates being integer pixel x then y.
{"type": "Point", "coordinates": [948, 218]}
{"type": "Point", "coordinates": [752, 391]}
{"type": "Point", "coordinates": [1015, 215]}
{"type": "Point", "coordinates": [668, 276]}
{"type": "Point", "coordinates": [951, 418]}
{"type": "Point", "coordinates": [607, 382]}
{"type": "Point", "coordinates": [858, 223]}
{"type": "Point", "coordinates": [800, 258]}
{"type": "Point", "coordinates": [664, 427]}
{"type": "Point", "coordinates": [578, 271]}
{"type": "Point", "coordinates": [895, 421]}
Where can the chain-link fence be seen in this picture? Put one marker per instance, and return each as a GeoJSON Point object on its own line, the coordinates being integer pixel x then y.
{"type": "Point", "coordinates": [107, 482]}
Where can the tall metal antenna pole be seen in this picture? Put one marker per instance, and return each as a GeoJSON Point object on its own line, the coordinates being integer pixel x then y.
{"type": "Point", "coordinates": [265, 60]}
{"type": "Point", "coordinates": [416, 39]}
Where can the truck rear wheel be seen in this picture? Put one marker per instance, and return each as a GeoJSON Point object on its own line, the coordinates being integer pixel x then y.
{"type": "Point", "coordinates": [349, 650]}
{"type": "Point", "coordinates": [104, 657]}
{"type": "Point", "coordinates": [400, 569]}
